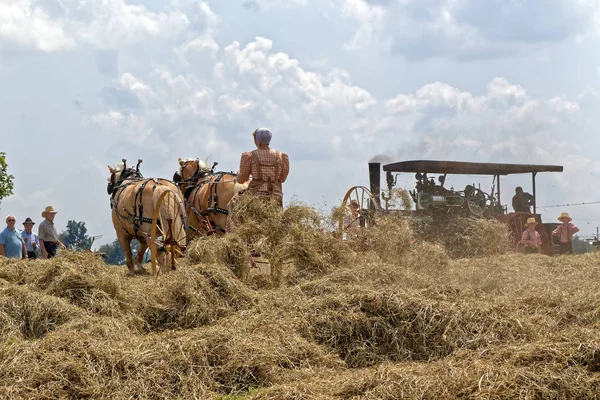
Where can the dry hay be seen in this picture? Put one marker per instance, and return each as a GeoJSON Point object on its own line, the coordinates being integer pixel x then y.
{"type": "Point", "coordinates": [293, 235]}
{"type": "Point", "coordinates": [30, 315]}
{"type": "Point", "coordinates": [406, 321]}
{"type": "Point", "coordinates": [229, 250]}
{"type": "Point", "coordinates": [371, 328]}
{"type": "Point", "coordinates": [389, 238]}
{"type": "Point", "coordinates": [467, 237]}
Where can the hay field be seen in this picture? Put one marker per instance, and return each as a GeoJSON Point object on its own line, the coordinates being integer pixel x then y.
{"type": "Point", "coordinates": [377, 318]}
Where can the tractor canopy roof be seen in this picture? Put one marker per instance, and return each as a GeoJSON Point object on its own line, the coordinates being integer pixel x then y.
{"type": "Point", "coordinates": [468, 168]}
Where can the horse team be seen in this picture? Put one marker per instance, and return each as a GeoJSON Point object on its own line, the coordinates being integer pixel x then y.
{"type": "Point", "coordinates": [195, 203]}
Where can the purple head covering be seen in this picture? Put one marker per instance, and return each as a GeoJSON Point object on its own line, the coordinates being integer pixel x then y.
{"type": "Point", "coordinates": [263, 136]}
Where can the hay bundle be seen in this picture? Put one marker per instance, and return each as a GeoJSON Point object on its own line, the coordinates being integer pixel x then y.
{"type": "Point", "coordinates": [14, 271]}
{"type": "Point", "coordinates": [369, 328]}
{"type": "Point", "coordinates": [427, 257]}
{"type": "Point", "coordinates": [30, 315]}
{"type": "Point", "coordinates": [388, 239]}
{"type": "Point", "coordinates": [467, 237]}
{"type": "Point", "coordinates": [314, 253]}
{"type": "Point", "coordinates": [95, 288]}
{"type": "Point", "coordinates": [187, 299]}
{"type": "Point", "coordinates": [294, 234]}
{"type": "Point", "coordinates": [229, 250]}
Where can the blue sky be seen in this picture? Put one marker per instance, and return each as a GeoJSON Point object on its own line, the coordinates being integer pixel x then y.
{"type": "Point", "coordinates": [84, 83]}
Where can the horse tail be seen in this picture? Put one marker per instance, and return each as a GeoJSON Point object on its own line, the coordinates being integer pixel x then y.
{"type": "Point", "coordinates": [170, 208]}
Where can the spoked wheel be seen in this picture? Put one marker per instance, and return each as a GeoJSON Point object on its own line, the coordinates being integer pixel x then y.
{"type": "Point", "coordinates": [474, 208]}
{"type": "Point", "coordinates": [357, 209]}
{"type": "Point", "coordinates": [169, 236]}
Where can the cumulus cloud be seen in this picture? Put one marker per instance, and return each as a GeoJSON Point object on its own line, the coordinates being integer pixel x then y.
{"type": "Point", "coordinates": [326, 118]}
{"type": "Point", "coordinates": [52, 25]}
{"type": "Point", "coordinates": [265, 5]}
{"type": "Point", "coordinates": [466, 29]}
{"type": "Point", "coordinates": [23, 23]}
{"type": "Point", "coordinates": [187, 93]}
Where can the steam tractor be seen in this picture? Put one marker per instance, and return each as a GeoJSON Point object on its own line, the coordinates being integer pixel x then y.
{"type": "Point", "coordinates": [434, 201]}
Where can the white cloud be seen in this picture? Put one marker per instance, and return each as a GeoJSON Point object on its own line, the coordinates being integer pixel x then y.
{"type": "Point", "coordinates": [104, 24]}
{"type": "Point", "coordinates": [369, 19]}
{"type": "Point", "coordinates": [25, 24]}
{"type": "Point", "coordinates": [467, 29]}
{"type": "Point", "coordinates": [187, 93]}
{"type": "Point", "coordinates": [266, 5]}
{"type": "Point", "coordinates": [319, 116]}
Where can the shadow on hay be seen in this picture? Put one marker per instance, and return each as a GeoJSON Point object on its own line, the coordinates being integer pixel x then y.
{"type": "Point", "coordinates": [371, 328]}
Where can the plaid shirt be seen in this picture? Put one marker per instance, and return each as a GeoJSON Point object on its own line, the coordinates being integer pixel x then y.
{"type": "Point", "coordinates": [269, 169]}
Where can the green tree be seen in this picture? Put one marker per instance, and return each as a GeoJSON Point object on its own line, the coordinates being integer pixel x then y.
{"type": "Point", "coordinates": [75, 236]}
{"type": "Point", "coordinates": [114, 253]}
{"type": "Point", "coordinates": [6, 180]}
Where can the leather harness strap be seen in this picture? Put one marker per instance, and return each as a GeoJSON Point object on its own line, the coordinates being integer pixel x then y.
{"type": "Point", "coordinates": [138, 209]}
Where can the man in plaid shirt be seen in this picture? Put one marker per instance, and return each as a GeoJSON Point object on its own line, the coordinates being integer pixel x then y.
{"type": "Point", "coordinates": [268, 167]}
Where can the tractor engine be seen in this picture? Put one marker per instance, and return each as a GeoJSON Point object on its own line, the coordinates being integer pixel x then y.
{"type": "Point", "coordinates": [431, 197]}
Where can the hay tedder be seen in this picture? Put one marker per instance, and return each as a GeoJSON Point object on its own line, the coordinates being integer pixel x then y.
{"type": "Point", "coordinates": [436, 203]}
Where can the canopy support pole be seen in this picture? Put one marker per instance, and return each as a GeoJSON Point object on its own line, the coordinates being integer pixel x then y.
{"type": "Point", "coordinates": [534, 196]}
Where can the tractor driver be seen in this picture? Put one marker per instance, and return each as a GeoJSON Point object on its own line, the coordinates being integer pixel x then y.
{"type": "Point", "coordinates": [522, 201]}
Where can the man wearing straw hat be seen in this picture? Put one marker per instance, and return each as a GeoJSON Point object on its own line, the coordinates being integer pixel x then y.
{"type": "Point", "coordinates": [530, 238]}
{"type": "Point", "coordinates": [47, 234]}
{"type": "Point", "coordinates": [565, 233]}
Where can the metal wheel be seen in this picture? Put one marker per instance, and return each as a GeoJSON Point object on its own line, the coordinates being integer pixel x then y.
{"type": "Point", "coordinates": [475, 209]}
{"type": "Point", "coordinates": [363, 216]}
{"type": "Point", "coordinates": [169, 237]}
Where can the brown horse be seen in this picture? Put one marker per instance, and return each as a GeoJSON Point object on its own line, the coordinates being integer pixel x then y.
{"type": "Point", "coordinates": [134, 202]}
{"type": "Point", "coordinates": [207, 195]}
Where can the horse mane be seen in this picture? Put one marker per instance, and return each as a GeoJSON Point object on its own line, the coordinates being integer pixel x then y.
{"type": "Point", "coordinates": [201, 164]}
{"type": "Point", "coordinates": [118, 170]}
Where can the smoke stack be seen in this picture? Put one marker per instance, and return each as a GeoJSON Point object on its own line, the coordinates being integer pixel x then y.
{"type": "Point", "coordinates": [375, 181]}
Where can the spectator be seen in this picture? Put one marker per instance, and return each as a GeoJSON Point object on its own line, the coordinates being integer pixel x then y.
{"type": "Point", "coordinates": [47, 234]}
{"type": "Point", "coordinates": [32, 243]}
{"type": "Point", "coordinates": [11, 243]}
{"type": "Point", "coordinates": [565, 233]}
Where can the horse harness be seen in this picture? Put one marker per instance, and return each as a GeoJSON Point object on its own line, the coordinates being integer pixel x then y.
{"type": "Point", "coordinates": [213, 180]}
{"type": "Point", "coordinates": [130, 177]}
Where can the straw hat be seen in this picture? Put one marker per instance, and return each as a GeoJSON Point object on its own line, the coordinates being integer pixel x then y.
{"type": "Point", "coordinates": [565, 216]}
{"type": "Point", "coordinates": [48, 210]}
{"type": "Point", "coordinates": [531, 221]}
